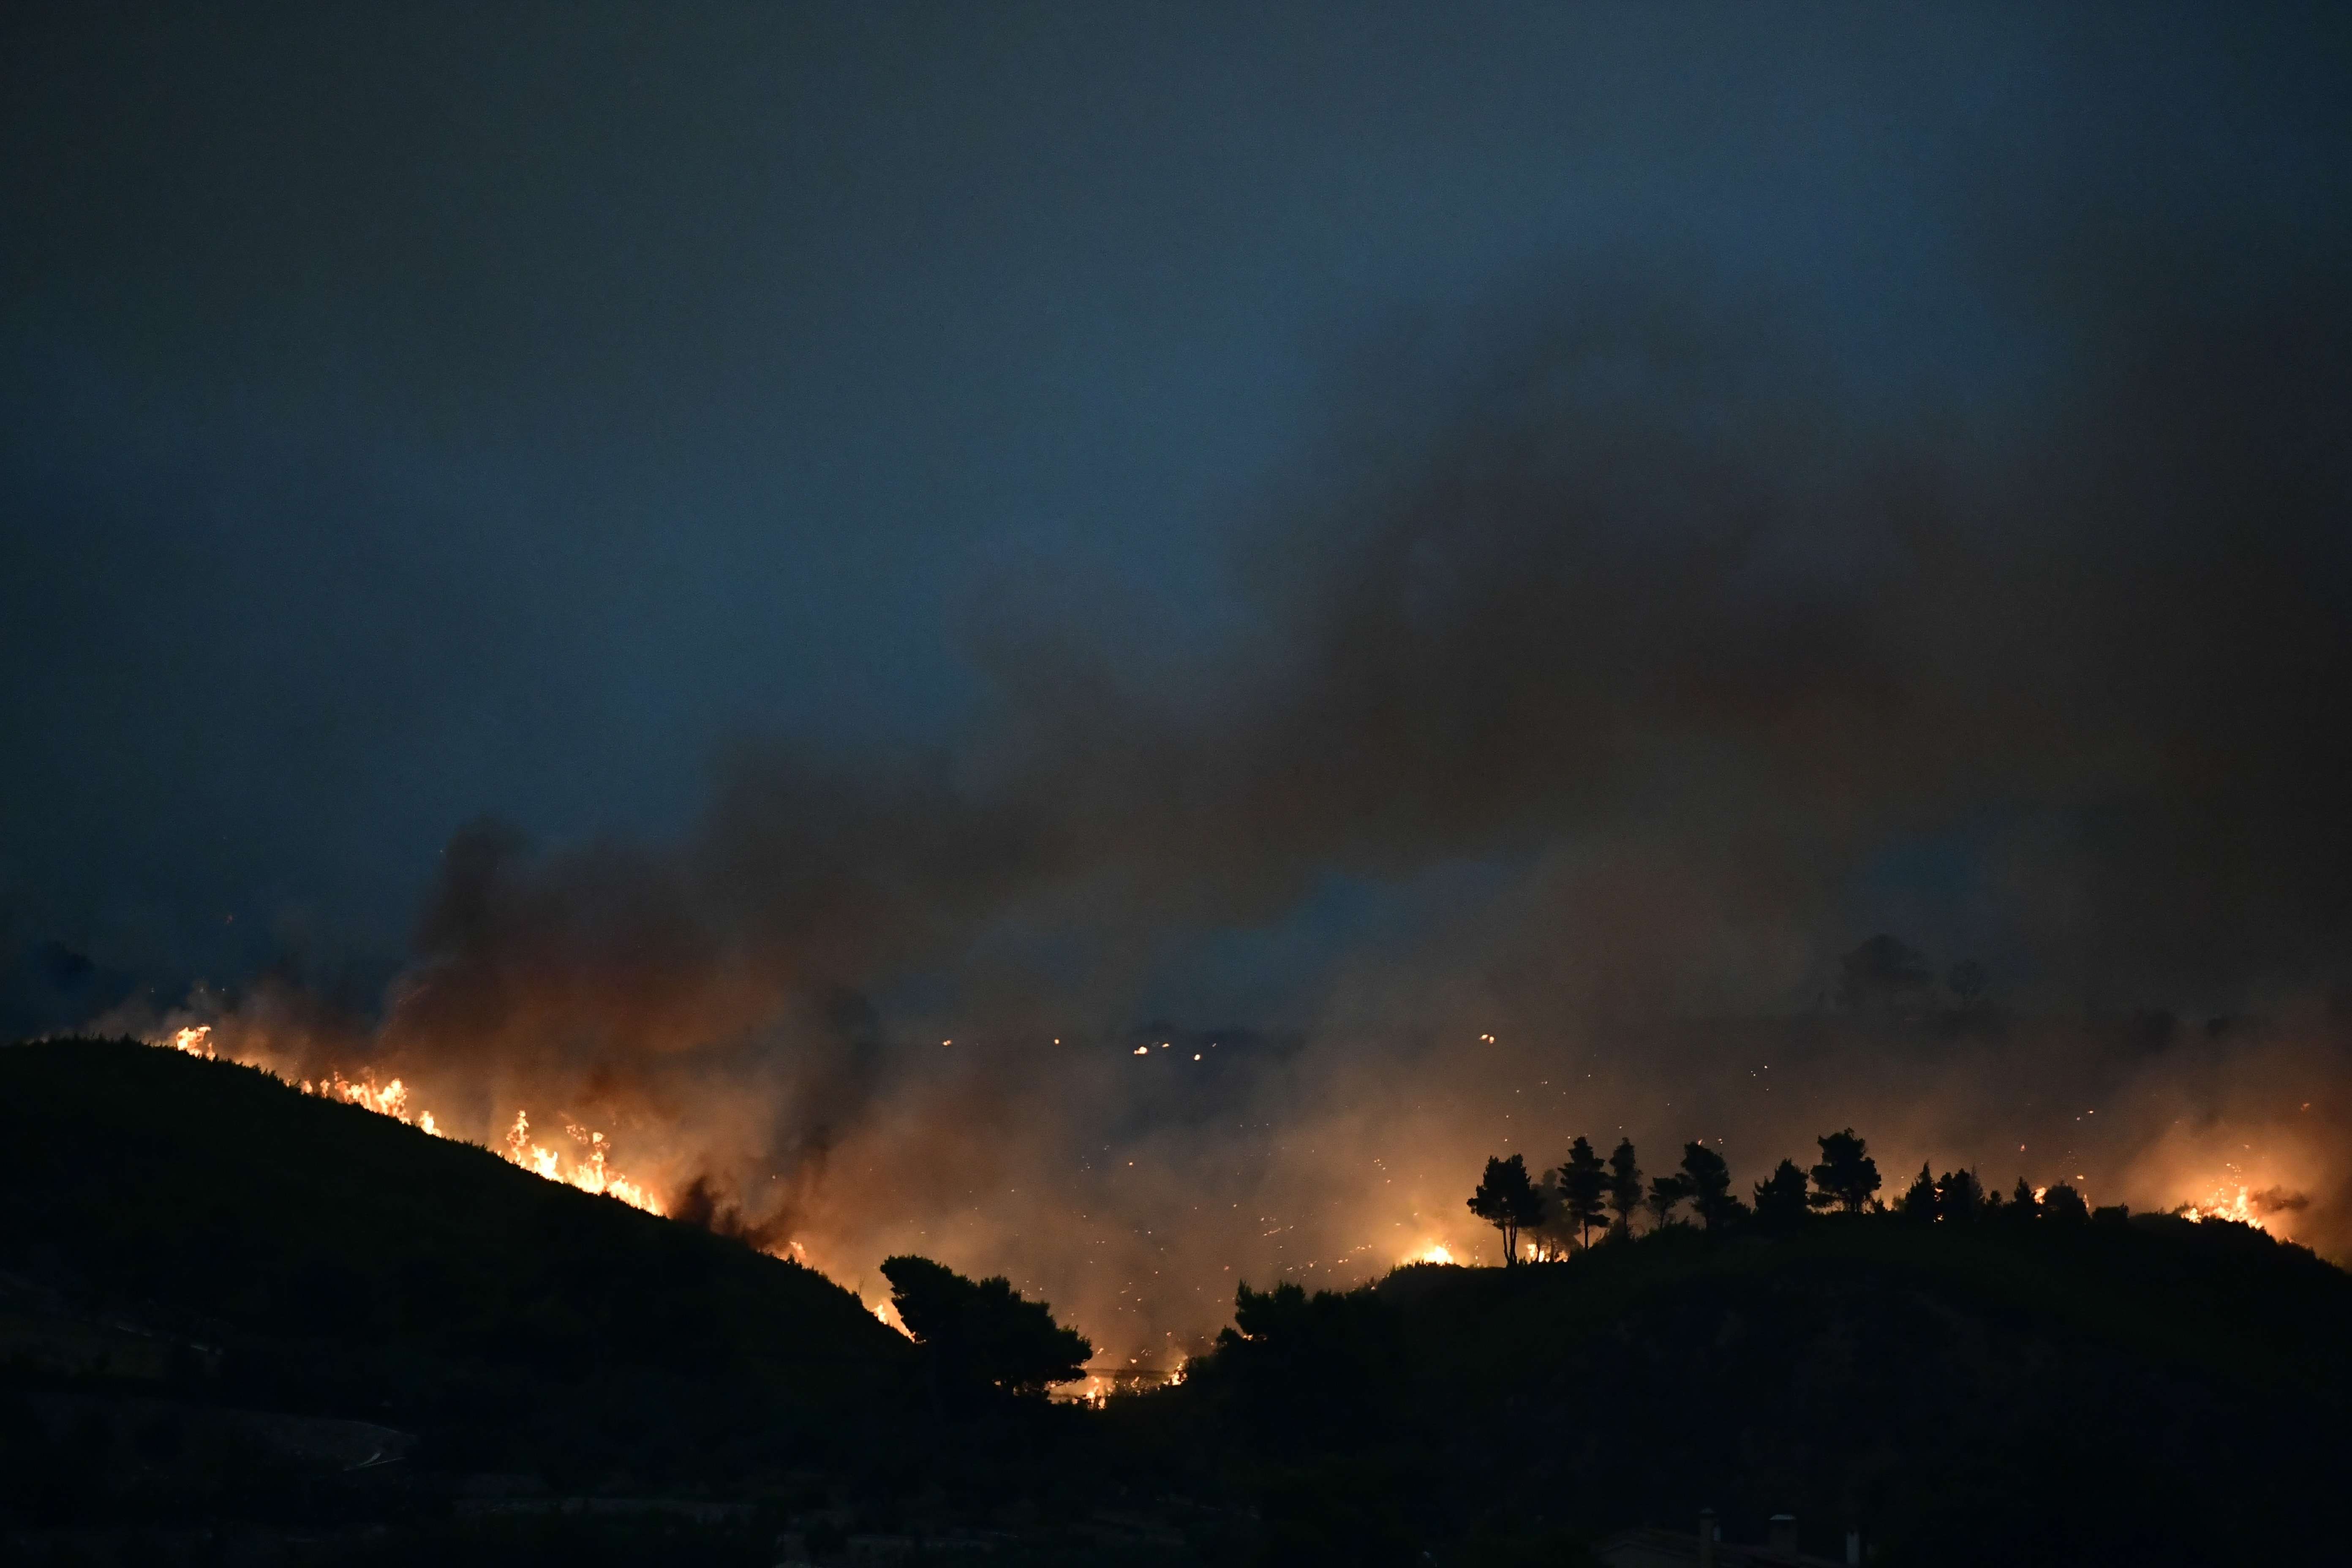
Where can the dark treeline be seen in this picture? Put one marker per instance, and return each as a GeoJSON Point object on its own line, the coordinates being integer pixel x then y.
{"type": "Point", "coordinates": [1959, 1377]}
{"type": "Point", "coordinates": [1586, 1199]}
{"type": "Point", "coordinates": [1960, 1374]}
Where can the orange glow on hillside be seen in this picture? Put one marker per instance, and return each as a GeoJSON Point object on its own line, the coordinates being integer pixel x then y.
{"type": "Point", "coordinates": [588, 1169]}
{"type": "Point", "coordinates": [2269, 1209]}
{"type": "Point", "coordinates": [2255, 1174]}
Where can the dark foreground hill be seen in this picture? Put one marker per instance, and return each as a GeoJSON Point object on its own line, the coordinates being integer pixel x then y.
{"type": "Point", "coordinates": [2122, 1390]}
{"type": "Point", "coordinates": [183, 1239]}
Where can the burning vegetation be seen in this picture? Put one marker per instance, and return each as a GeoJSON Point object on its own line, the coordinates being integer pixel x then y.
{"type": "Point", "coordinates": [583, 1166]}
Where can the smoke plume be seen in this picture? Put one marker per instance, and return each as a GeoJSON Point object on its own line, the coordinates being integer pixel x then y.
{"type": "Point", "coordinates": [1617, 660]}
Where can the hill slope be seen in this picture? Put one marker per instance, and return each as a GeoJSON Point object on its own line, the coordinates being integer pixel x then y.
{"type": "Point", "coordinates": [2149, 1391]}
{"type": "Point", "coordinates": [203, 1231]}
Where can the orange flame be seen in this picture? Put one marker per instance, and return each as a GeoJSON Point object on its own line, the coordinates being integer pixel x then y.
{"type": "Point", "coordinates": [2223, 1203]}
{"type": "Point", "coordinates": [590, 1171]}
{"type": "Point", "coordinates": [2237, 1200]}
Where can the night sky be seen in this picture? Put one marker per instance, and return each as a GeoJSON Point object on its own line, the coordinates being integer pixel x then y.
{"type": "Point", "coordinates": [657, 564]}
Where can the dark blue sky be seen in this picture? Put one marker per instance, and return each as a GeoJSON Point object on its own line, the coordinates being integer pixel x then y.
{"type": "Point", "coordinates": [411, 414]}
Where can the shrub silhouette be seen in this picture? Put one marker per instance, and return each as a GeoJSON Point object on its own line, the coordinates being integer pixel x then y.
{"type": "Point", "coordinates": [980, 1339]}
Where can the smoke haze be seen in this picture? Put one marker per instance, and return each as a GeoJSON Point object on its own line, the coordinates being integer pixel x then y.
{"type": "Point", "coordinates": [1618, 646]}
{"type": "Point", "coordinates": [1648, 674]}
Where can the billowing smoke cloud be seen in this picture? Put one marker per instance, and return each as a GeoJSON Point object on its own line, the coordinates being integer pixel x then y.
{"type": "Point", "coordinates": [1621, 658]}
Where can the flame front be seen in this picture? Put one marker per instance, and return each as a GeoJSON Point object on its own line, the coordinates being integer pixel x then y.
{"type": "Point", "coordinates": [2224, 1202]}
{"type": "Point", "coordinates": [2233, 1198]}
{"type": "Point", "coordinates": [589, 1170]}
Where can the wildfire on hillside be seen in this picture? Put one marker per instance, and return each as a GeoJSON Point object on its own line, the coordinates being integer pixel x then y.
{"type": "Point", "coordinates": [589, 1170]}
{"type": "Point", "coordinates": [2239, 1201]}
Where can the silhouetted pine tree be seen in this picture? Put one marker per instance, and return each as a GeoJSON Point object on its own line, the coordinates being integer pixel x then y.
{"type": "Point", "coordinates": [1780, 1204]}
{"type": "Point", "coordinates": [2064, 1203]}
{"type": "Point", "coordinates": [1507, 1200]}
{"type": "Point", "coordinates": [1624, 1186]}
{"type": "Point", "coordinates": [1667, 1194]}
{"type": "Point", "coordinates": [1918, 1200]}
{"type": "Point", "coordinates": [1584, 1190]}
{"type": "Point", "coordinates": [1959, 1197]}
{"type": "Point", "coordinates": [1846, 1176]}
{"type": "Point", "coordinates": [1710, 1187]}
{"type": "Point", "coordinates": [1554, 1235]}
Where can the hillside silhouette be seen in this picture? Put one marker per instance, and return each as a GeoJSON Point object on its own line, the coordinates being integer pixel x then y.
{"type": "Point", "coordinates": [2147, 1389]}
{"type": "Point", "coordinates": [200, 1235]}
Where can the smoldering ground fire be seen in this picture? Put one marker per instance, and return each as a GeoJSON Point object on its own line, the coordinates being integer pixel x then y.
{"type": "Point", "coordinates": [1577, 727]}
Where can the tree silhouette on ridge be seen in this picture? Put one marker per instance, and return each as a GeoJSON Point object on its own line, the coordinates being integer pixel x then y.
{"type": "Point", "coordinates": [1846, 1176]}
{"type": "Point", "coordinates": [1507, 1200]}
{"type": "Point", "coordinates": [1710, 1187]}
{"type": "Point", "coordinates": [981, 1340]}
{"type": "Point", "coordinates": [1667, 1194]}
{"type": "Point", "coordinates": [1780, 1201]}
{"type": "Point", "coordinates": [1584, 1190]}
{"type": "Point", "coordinates": [1624, 1186]}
